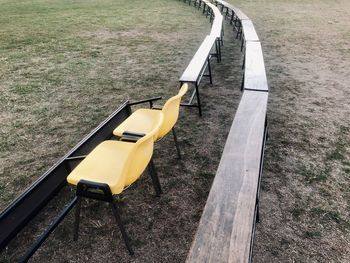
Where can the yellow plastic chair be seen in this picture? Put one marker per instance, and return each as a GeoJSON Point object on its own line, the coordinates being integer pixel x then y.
{"type": "Point", "coordinates": [142, 120]}
{"type": "Point", "coordinates": [111, 167]}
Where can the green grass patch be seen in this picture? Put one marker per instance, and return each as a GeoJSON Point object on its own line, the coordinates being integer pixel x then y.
{"type": "Point", "coordinates": [67, 65]}
{"type": "Point", "coordinates": [327, 216]}
{"type": "Point", "coordinates": [314, 174]}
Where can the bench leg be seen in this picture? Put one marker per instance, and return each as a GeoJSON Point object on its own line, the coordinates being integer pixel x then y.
{"type": "Point", "coordinates": [217, 51]}
{"type": "Point", "coordinates": [198, 101]}
{"type": "Point", "coordinates": [219, 42]}
{"type": "Point", "coordinates": [232, 20]}
{"type": "Point", "coordinates": [209, 68]}
{"type": "Point", "coordinates": [222, 33]}
{"type": "Point", "coordinates": [243, 63]}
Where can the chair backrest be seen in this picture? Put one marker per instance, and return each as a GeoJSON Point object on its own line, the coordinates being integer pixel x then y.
{"type": "Point", "coordinates": [142, 154]}
{"type": "Point", "coordinates": [171, 111]}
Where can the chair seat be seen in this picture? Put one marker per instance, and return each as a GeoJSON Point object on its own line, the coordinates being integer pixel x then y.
{"type": "Point", "coordinates": [141, 121]}
{"type": "Point", "coordinates": [105, 164]}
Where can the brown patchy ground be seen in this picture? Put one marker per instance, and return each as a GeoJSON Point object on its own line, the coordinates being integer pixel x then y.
{"type": "Point", "coordinates": [305, 199]}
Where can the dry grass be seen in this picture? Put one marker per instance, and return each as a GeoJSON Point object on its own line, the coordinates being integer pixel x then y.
{"type": "Point", "coordinates": [65, 66]}
{"type": "Point", "coordinates": [305, 197]}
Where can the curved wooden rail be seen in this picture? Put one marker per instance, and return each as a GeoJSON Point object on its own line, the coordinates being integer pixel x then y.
{"type": "Point", "coordinates": [227, 227]}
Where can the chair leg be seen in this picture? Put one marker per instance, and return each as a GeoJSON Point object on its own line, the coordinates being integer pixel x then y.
{"type": "Point", "coordinates": [176, 143]}
{"type": "Point", "coordinates": [121, 227]}
{"type": "Point", "coordinates": [77, 218]}
{"type": "Point", "coordinates": [154, 176]}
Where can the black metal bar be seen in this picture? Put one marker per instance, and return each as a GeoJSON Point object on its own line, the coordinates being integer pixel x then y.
{"type": "Point", "coordinates": [209, 68]}
{"type": "Point", "coordinates": [77, 219]}
{"type": "Point", "coordinates": [217, 51]}
{"type": "Point", "coordinates": [121, 227]}
{"type": "Point", "coordinates": [155, 179]}
{"type": "Point", "coordinates": [135, 134]}
{"type": "Point", "coordinates": [220, 48]}
{"type": "Point", "coordinates": [30, 252]}
{"type": "Point", "coordinates": [144, 101]}
{"type": "Point", "coordinates": [192, 96]}
{"type": "Point", "coordinates": [189, 105]}
{"type": "Point", "coordinates": [199, 101]}
{"type": "Point", "coordinates": [176, 143]}
{"type": "Point", "coordinates": [257, 211]}
{"type": "Point", "coordinates": [27, 205]}
{"type": "Point", "coordinates": [243, 62]}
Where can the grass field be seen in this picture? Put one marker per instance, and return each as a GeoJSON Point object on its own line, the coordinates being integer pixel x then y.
{"type": "Point", "coordinates": [305, 201]}
{"type": "Point", "coordinates": [66, 65]}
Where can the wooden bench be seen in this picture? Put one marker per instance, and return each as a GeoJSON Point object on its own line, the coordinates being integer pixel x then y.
{"type": "Point", "coordinates": [216, 30]}
{"type": "Point", "coordinates": [235, 15]}
{"type": "Point", "coordinates": [227, 226]}
{"type": "Point", "coordinates": [254, 68]}
{"type": "Point", "coordinates": [196, 70]}
{"type": "Point", "coordinates": [249, 33]}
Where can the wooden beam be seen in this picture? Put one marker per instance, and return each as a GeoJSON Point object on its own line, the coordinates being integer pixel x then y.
{"type": "Point", "coordinates": [225, 229]}
{"type": "Point", "coordinates": [249, 32]}
{"type": "Point", "coordinates": [254, 74]}
{"type": "Point", "coordinates": [196, 66]}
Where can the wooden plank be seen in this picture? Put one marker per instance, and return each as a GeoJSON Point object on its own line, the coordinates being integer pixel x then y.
{"type": "Point", "coordinates": [254, 74]}
{"type": "Point", "coordinates": [249, 32]}
{"type": "Point", "coordinates": [195, 67]}
{"type": "Point", "coordinates": [216, 29]}
{"type": "Point", "coordinates": [225, 228]}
